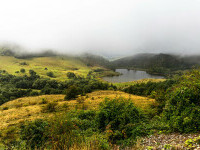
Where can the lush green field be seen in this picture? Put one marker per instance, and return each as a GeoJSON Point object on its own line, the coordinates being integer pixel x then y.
{"type": "Point", "coordinates": [58, 65]}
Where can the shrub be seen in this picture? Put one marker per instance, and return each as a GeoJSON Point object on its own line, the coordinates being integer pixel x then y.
{"type": "Point", "coordinates": [34, 93]}
{"type": "Point", "coordinates": [156, 90]}
{"type": "Point", "coordinates": [22, 70]}
{"type": "Point", "coordinates": [63, 133]}
{"type": "Point", "coordinates": [50, 107]}
{"type": "Point", "coordinates": [5, 108]}
{"type": "Point", "coordinates": [34, 134]}
{"type": "Point", "coordinates": [182, 110]}
{"type": "Point", "coordinates": [9, 137]}
{"type": "Point", "coordinates": [39, 83]}
{"type": "Point", "coordinates": [80, 100]}
{"type": "Point", "coordinates": [71, 75]}
{"type": "Point", "coordinates": [72, 93]}
{"type": "Point", "coordinates": [23, 63]}
{"type": "Point", "coordinates": [65, 106]}
{"type": "Point", "coordinates": [98, 70]}
{"type": "Point", "coordinates": [50, 74]}
{"type": "Point", "coordinates": [44, 101]}
{"type": "Point", "coordinates": [32, 72]}
{"type": "Point", "coordinates": [119, 118]}
{"type": "Point", "coordinates": [99, 142]}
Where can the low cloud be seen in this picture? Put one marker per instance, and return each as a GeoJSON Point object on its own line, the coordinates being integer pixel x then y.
{"type": "Point", "coordinates": [107, 27]}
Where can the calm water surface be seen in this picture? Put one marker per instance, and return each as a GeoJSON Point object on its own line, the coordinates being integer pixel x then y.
{"type": "Point", "coordinates": [130, 75]}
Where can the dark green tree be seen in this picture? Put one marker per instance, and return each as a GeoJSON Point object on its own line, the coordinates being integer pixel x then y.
{"type": "Point", "coordinates": [71, 75]}
{"type": "Point", "coordinates": [22, 70]}
{"type": "Point", "coordinates": [72, 92]}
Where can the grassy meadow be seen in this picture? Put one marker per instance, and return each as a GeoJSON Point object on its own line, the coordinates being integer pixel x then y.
{"type": "Point", "coordinates": [30, 108]}
{"type": "Point", "coordinates": [58, 65]}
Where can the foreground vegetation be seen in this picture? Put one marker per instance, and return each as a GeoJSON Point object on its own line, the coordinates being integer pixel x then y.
{"type": "Point", "coordinates": [97, 121]}
{"type": "Point", "coordinates": [31, 108]}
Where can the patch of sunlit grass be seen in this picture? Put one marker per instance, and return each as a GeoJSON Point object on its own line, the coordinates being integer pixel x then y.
{"type": "Point", "coordinates": [30, 108]}
{"type": "Point", "coordinates": [93, 99]}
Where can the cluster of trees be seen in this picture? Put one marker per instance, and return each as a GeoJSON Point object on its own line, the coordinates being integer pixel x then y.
{"type": "Point", "coordinates": [178, 101]}
{"type": "Point", "coordinates": [156, 90]}
{"type": "Point", "coordinates": [12, 87]}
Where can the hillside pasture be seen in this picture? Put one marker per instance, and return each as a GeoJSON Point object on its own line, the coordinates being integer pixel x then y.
{"type": "Point", "coordinates": [30, 108]}
{"type": "Point", "coordinates": [58, 65]}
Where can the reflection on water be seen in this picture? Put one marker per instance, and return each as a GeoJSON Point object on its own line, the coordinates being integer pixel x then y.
{"type": "Point", "coordinates": [130, 75]}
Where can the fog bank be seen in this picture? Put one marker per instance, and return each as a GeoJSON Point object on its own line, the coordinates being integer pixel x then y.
{"type": "Point", "coordinates": [108, 27]}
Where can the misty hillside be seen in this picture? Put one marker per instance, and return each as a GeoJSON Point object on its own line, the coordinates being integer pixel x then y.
{"type": "Point", "coordinates": [92, 60]}
{"type": "Point", "coordinates": [17, 52]}
{"type": "Point", "coordinates": [48, 64]}
{"type": "Point", "coordinates": [88, 59]}
{"type": "Point", "coordinates": [157, 63]}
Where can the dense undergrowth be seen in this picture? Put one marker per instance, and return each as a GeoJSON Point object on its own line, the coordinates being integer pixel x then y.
{"type": "Point", "coordinates": [117, 122]}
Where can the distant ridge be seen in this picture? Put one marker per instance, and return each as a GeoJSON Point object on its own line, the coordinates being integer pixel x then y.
{"type": "Point", "coordinates": [157, 63]}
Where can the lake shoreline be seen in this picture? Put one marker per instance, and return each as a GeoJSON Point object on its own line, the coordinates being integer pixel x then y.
{"type": "Point", "coordinates": [128, 75]}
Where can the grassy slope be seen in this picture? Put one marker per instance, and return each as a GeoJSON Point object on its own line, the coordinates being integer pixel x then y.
{"type": "Point", "coordinates": [29, 108]}
{"type": "Point", "coordinates": [59, 66]}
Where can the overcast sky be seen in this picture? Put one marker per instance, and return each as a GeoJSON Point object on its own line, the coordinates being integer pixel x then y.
{"type": "Point", "coordinates": [105, 26]}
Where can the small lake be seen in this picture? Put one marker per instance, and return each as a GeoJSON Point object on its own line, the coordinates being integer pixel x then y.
{"type": "Point", "coordinates": [131, 75]}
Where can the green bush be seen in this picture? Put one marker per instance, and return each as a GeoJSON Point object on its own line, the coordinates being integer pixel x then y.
{"type": "Point", "coordinates": [98, 142]}
{"type": "Point", "coordinates": [50, 107]}
{"type": "Point", "coordinates": [50, 74]}
{"type": "Point", "coordinates": [72, 93]}
{"type": "Point", "coordinates": [119, 118]}
{"type": "Point", "coordinates": [22, 70]}
{"type": "Point", "coordinates": [23, 63]}
{"type": "Point", "coordinates": [63, 133]}
{"type": "Point", "coordinates": [85, 119]}
{"type": "Point", "coordinates": [9, 138]}
{"type": "Point", "coordinates": [34, 93]}
{"type": "Point", "coordinates": [44, 101]}
{"type": "Point", "coordinates": [71, 75]}
{"type": "Point", "coordinates": [34, 134]}
{"type": "Point", "coordinates": [182, 110]}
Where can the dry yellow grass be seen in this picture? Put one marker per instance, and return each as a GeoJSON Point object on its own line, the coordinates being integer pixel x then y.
{"type": "Point", "coordinates": [97, 97]}
{"type": "Point", "coordinates": [29, 108]}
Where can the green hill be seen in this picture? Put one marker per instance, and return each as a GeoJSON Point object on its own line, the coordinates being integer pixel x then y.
{"type": "Point", "coordinates": [58, 65]}
{"type": "Point", "coordinates": [163, 64]}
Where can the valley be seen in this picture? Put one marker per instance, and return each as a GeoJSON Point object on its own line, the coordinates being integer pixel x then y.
{"type": "Point", "coordinates": [72, 93]}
